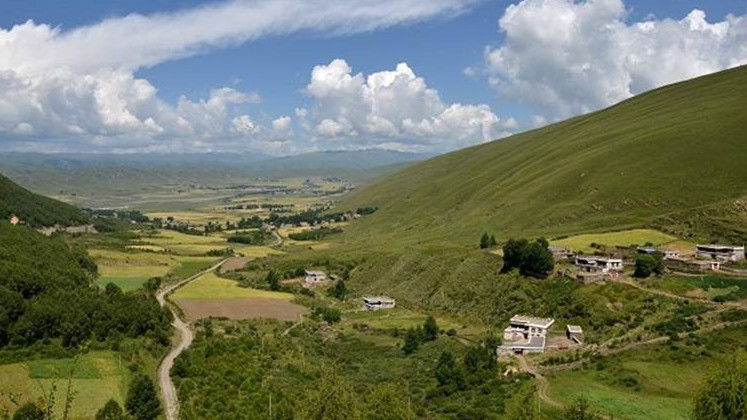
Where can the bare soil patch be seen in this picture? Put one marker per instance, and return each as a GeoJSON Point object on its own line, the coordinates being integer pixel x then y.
{"type": "Point", "coordinates": [246, 308]}
{"type": "Point", "coordinates": [235, 263]}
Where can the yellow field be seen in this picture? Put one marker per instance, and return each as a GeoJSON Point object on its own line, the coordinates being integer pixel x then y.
{"type": "Point", "coordinates": [255, 251]}
{"type": "Point", "coordinates": [99, 377]}
{"type": "Point", "coordinates": [623, 238]}
{"type": "Point", "coordinates": [211, 286]}
{"type": "Point", "coordinates": [151, 248]}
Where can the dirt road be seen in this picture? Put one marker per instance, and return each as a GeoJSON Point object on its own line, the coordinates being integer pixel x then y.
{"type": "Point", "coordinates": [186, 336]}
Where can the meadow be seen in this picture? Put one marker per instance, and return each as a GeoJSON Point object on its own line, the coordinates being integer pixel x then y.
{"type": "Point", "coordinates": [210, 286]}
{"type": "Point", "coordinates": [582, 243]}
{"type": "Point", "coordinates": [656, 382]}
{"type": "Point", "coordinates": [95, 378]}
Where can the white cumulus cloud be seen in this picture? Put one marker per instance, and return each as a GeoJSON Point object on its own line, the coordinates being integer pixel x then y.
{"type": "Point", "coordinates": [389, 108]}
{"type": "Point", "coordinates": [565, 57]}
{"type": "Point", "coordinates": [72, 89]}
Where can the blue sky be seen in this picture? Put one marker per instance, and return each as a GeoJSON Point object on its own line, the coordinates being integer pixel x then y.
{"type": "Point", "coordinates": [437, 48]}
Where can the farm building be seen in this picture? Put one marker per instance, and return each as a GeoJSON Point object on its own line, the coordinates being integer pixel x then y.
{"type": "Point", "coordinates": [312, 277]}
{"type": "Point", "coordinates": [699, 265]}
{"type": "Point", "coordinates": [720, 252]}
{"type": "Point", "coordinates": [667, 253]}
{"type": "Point", "coordinates": [588, 277]}
{"type": "Point", "coordinates": [574, 333]}
{"type": "Point", "coordinates": [599, 264]}
{"type": "Point", "coordinates": [374, 303]}
{"type": "Point", "coordinates": [525, 334]}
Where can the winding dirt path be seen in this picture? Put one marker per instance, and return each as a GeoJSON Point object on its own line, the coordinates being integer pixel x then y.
{"type": "Point", "coordinates": [170, 399]}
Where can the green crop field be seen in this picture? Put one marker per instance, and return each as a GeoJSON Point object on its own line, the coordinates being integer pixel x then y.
{"type": "Point", "coordinates": [705, 286]}
{"type": "Point", "coordinates": [129, 270]}
{"type": "Point", "coordinates": [211, 286]}
{"type": "Point", "coordinates": [583, 243]}
{"type": "Point", "coordinates": [97, 377]}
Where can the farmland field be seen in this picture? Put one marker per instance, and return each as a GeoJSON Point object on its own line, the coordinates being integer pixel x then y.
{"type": "Point", "coordinates": [129, 270]}
{"type": "Point", "coordinates": [622, 238]}
{"type": "Point", "coordinates": [210, 286]}
{"type": "Point", "coordinates": [96, 378]}
{"type": "Point", "coordinates": [241, 308]}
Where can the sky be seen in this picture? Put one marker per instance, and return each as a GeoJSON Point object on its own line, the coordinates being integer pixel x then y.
{"type": "Point", "coordinates": [284, 77]}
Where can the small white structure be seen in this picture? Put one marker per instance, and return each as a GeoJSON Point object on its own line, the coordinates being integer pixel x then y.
{"type": "Point", "coordinates": [700, 265]}
{"type": "Point", "coordinates": [525, 334]}
{"type": "Point", "coordinates": [667, 253]}
{"type": "Point", "coordinates": [375, 303]}
{"type": "Point", "coordinates": [593, 263]}
{"type": "Point", "coordinates": [574, 333]}
{"type": "Point", "coordinates": [720, 252]}
{"type": "Point", "coordinates": [312, 277]}
{"type": "Point", "coordinates": [14, 220]}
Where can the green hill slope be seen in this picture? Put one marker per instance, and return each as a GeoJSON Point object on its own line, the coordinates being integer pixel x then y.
{"type": "Point", "coordinates": [650, 160]}
{"type": "Point", "coordinates": [34, 209]}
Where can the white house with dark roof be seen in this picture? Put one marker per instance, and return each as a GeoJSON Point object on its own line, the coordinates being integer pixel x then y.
{"type": "Point", "coordinates": [313, 277]}
{"type": "Point", "coordinates": [720, 252]}
{"type": "Point", "coordinates": [595, 263]}
{"type": "Point", "coordinates": [375, 303]}
{"type": "Point", "coordinates": [525, 334]}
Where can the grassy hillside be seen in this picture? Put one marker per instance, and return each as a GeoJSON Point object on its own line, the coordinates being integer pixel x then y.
{"type": "Point", "coordinates": [35, 209]}
{"type": "Point", "coordinates": [673, 158]}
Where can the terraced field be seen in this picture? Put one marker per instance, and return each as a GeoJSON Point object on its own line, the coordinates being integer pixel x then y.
{"type": "Point", "coordinates": [582, 243]}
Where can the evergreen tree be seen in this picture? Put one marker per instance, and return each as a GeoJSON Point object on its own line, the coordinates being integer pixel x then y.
{"type": "Point", "coordinates": [524, 406]}
{"type": "Point", "coordinates": [29, 411]}
{"type": "Point", "coordinates": [646, 265]}
{"type": "Point", "coordinates": [492, 243]}
{"type": "Point", "coordinates": [412, 341]}
{"type": "Point", "coordinates": [723, 394]}
{"type": "Point", "coordinates": [430, 329]}
{"type": "Point", "coordinates": [110, 411]}
{"type": "Point", "coordinates": [513, 252]}
{"type": "Point", "coordinates": [273, 279]}
{"type": "Point", "coordinates": [388, 402]}
{"type": "Point", "coordinates": [142, 399]}
{"type": "Point", "coordinates": [448, 374]}
{"type": "Point", "coordinates": [484, 241]}
{"type": "Point", "coordinates": [580, 409]}
{"type": "Point", "coordinates": [537, 260]}
{"type": "Point", "coordinates": [338, 291]}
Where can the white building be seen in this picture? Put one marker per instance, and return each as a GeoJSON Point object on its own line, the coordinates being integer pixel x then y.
{"type": "Point", "coordinates": [667, 253]}
{"type": "Point", "coordinates": [525, 334]}
{"type": "Point", "coordinates": [312, 277]}
{"type": "Point", "coordinates": [374, 303]}
{"type": "Point", "coordinates": [592, 263]}
{"type": "Point", "coordinates": [720, 252]}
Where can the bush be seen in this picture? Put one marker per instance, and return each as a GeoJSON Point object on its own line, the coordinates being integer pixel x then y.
{"type": "Point", "coordinates": [142, 399]}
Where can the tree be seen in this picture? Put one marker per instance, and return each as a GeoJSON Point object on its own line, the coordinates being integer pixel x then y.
{"type": "Point", "coordinates": [332, 397]}
{"type": "Point", "coordinates": [723, 393]}
{"type": "Point", "coordinates": [646, 265]}
{"type": "Point", "coordinates": [388, 402]}
{"type": "Point", "coordinates": [492, 242]}
{"type": "Point", "coordinates": [29, 411]}
{"type": "Point", "coordinates": [580, 409]}
{"type": "Point", "coordinates": [412, 341]}
{"type": "Point", "coordinates": [536, 260]}
{"type": "Point", "coordinates": [338, 291]}
{"type": "Point", "coordinates": [484, 241]}
{"type": "Point", "coordinates": [273, 279]}
{"type": "Point", "coordinates": [448, 374]}
{"type": "Point", "coordinates": [142, 400]}
{"type": "Point", "coordinates": [110, 411]}
{"type": "Point", "coordinates": [430, 329]}
{"type": "Point", "coordinates": [524, 406]}
{"type": "Point", "coordinates": [513, 251]}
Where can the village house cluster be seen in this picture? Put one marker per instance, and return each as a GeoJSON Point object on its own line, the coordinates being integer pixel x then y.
{"type": "Point", "coordinates": [528, 334]}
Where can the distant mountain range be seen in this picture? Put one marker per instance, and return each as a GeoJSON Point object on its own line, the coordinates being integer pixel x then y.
{"type": "Point", "coordinates": [53, 174]}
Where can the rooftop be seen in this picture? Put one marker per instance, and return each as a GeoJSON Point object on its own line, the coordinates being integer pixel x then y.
{"type": "Point", "coordinates": [314, 273]}
{"type": "Point", "coordinates": [575, 329]}
{"type": "Point", "coordinates": [532, 321]}
{"type": "Point", "coordinates": [722, 247]}
{"type": "Point", "coordinates": [374, 299]}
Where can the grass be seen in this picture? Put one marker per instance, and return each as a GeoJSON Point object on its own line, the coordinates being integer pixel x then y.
{"type": "Point", "coordinates": [583, 243]}
{"type": "Point", "coordinates": [129, 270]}
{"type": "Point", "coordinates": [97, 378]}
{"type": "Point", "coordinates": [394, 318]}
{"type": "Point", "coordinates": [189, 266]}
{"type": "Point", "coordinates": [706, 286]}
{"type": "Point", "coordinates": [210, 286]}
{"type": "Point", "coordinates": [644, 162]}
